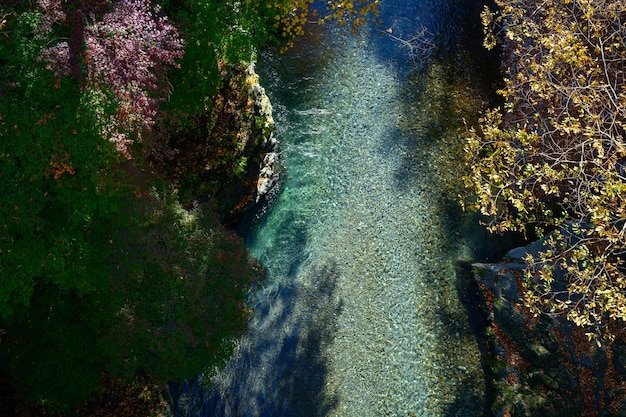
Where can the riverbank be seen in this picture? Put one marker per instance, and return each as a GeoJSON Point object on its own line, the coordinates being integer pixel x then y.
{"type": "Point", "coordinates": [543, 365]}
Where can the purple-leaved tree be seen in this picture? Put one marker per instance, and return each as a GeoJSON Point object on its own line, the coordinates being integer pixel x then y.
{"type": "Point", "coordinates": [119, 51]}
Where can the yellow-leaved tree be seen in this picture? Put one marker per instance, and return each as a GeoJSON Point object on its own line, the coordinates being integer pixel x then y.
{"type": "Point", "coordinates": [554, 157]}
{"type": "Point", "coordinates": [291, 15]}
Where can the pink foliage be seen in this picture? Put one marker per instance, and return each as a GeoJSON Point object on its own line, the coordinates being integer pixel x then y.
{"type": "Point", "coordinates": [52, 13]}
{"type": "Point", "coordinates": [57, 59]}
{"type": "Point", "coordinates": [126, 53]}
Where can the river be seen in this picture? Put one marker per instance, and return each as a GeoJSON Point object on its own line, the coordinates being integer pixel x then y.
{"type": "Point", "coordinates": [361, 313]}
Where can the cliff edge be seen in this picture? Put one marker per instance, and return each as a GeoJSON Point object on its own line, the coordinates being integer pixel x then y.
{"type": "Point", "coordinates": [544, 366]}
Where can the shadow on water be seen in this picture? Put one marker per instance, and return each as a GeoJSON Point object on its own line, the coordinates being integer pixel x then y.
{"type": "Point", "coordinates": [470, 297]}
{"type": "Point", "coordinates": [307, 385]}
{"type": "Point", "coordinates": [280, 372]}
{"type": "Point", "coordinates": [467, 62]}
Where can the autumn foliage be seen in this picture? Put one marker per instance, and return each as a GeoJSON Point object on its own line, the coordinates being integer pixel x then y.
{"type": "Point", "coordinates": [292, 15]}
{"type": "Point", "coordinates": [553, 157]}
{"type": "Point", "coordinates": [122, 54]}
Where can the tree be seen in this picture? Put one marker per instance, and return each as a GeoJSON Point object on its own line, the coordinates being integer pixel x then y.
{"type": "Point", "coordinates": [120, 55]}
{"type": "Point", "coordinates": [102, 271]}
{"type": "Point", "coordinates": [554, 156]}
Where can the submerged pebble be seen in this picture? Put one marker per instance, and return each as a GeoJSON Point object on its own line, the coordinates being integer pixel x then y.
{"type": "Point", "coordinates": [363, 319]}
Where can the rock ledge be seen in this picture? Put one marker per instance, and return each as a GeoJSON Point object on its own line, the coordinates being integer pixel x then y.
{"type": "Point", "coordinates": [544, 366]}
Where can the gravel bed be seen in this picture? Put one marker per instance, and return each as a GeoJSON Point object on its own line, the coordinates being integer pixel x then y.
{"type": "Point", "coordinates": [359, 315]}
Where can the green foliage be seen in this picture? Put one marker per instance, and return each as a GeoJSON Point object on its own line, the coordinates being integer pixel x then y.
{"type": "Point", "coordinates": [214, 31]}
{"type": "Point", "coordinates": [554, 156]}
{"type": "Point", "coordinates": [102, 272]}
{"type": "Point", "coordinates": [54, 192]}
{"type": "Point", "coordinates": [51, 159]}
{"type": "Point", "coordinates": [164, 300]}
{"type": "Point", "coordinates": [189, 280]}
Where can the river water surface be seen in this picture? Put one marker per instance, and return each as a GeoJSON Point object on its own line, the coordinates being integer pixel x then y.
{"type": "Point", "coordinates": [360, 313]}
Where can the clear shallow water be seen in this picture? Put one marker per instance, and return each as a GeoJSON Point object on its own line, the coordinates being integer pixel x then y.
{"type": "Point", "coordinates": [359, 314]}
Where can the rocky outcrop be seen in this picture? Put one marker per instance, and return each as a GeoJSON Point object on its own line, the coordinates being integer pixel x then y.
{"type": "Point", "coordinates": [256, 171]}
{"type": "Point", "coordinates": [228, 154]}
{"type": "Point", "coordinates": [543, 366]}
{"type": "Point", "coordinates": [268, 168]}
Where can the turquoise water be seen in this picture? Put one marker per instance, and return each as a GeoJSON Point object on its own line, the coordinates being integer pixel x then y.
{"type": "Point", "coordinates": [360, 314]}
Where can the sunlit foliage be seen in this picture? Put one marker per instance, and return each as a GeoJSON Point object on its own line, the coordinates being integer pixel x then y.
{"type": "Point", "coordinates": [554, 156]}
{"type": "Point", "coordinates": [120, 53]}
{"type": "Point", "coordinates": [292, 15]}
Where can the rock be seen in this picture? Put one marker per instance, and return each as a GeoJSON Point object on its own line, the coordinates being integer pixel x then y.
{"type": "Point", "coordinates": [228, 155]}
{"type": "Point", "coordinates": [268, 175]}
{"type": "Point", "coordinates": [251, 179]}
{"type": "Point", "coordinates": [543, 366]}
